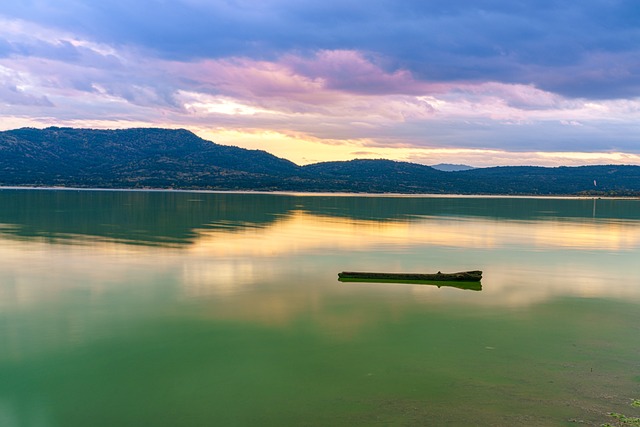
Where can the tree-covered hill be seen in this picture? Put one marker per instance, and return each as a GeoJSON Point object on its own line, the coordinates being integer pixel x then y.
{"type": "Point", "coordinates": [130, 158]}
{"type": "Point", "coordinates": [596, 180]}
{"type": "Point", "coordinates": [163, 158]}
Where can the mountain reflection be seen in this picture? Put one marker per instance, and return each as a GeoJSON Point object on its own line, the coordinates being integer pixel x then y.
{"type": "Point", "coordinates": [181, 219]}
{"type": "Point", "coordinates": [268, 258]}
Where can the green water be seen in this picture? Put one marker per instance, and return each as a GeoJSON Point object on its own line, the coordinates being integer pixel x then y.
{"type": "Point", "coordinates": [202, 309]}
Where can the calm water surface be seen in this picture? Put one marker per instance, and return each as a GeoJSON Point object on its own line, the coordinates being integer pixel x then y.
{"type": "Point", "coordinates": [200, 309]}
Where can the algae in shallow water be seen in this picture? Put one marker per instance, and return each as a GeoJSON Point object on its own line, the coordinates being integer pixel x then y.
{"type": "Point", "coordinates": [623, 420]}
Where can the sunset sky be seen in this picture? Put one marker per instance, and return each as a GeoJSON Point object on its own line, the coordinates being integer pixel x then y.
{"type": "Point", "coordinates": [480, 82]}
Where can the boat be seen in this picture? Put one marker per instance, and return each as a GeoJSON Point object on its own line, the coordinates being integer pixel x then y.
{"type": "Point", "coordinates": [463, 276]}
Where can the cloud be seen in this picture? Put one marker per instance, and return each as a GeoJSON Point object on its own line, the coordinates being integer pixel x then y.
{"type": "Point", "coordinates": [334, 84]}
{"type": "Point", "coordinates": [16, 89]}
{"type": "Point", "coordinates": [12, 95]}
{"type": "Point", "coordinates": [364, 153]}
{"type": "Point", "coordinates": [351, 72]}
{"type": "Point", "coordinates": [489, 158]}
{"type": "Point", "coordinates": [458, 40]}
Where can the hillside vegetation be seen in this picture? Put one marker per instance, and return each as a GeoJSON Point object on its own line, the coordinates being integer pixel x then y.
{"type": "Point", "coordinates": [164, 158]}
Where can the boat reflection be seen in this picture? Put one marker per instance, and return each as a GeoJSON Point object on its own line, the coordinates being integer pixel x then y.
{"type": "Point", "coordinates": [470, 286]}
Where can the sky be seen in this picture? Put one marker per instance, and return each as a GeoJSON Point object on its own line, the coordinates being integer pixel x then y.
{"type": "Point", "coordinates": [477, 82]}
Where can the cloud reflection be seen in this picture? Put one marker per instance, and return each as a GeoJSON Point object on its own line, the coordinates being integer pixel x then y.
{"type": "Point", "coordinates": [277, 271]}
{"type": "Point", "coordinates": [301, 231]}
{"type": "Point", "coordinates": [59, 296]}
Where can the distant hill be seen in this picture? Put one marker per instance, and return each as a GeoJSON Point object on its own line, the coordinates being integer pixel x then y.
{"type": "Point", "coordinates": [162, 158]}
{"type": "Point", "coordinates": [448, 167]}
{"type": "Point", "coordinates": [132, 158]}
{"type": "Point", "coordinates": [378, 176]}
{"type": "Point", "coordinates": [584, 180]}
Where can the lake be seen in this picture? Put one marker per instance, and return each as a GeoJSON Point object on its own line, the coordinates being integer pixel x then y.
{"type": "Point", "coordinates": [143, 308]}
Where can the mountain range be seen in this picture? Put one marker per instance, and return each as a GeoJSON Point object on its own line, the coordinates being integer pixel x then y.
{"type": "Point", "coordinates": [167, 158]}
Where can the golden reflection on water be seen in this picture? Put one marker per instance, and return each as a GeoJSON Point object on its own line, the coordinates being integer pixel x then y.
{"type": "Point", "coordinates": [277, 274]}
{"type": "Point", "coordinates": [301, 231]}
{"type": "Point", "coordinates": [227, 261]}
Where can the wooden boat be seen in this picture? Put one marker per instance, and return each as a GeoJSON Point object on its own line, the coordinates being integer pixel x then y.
{"type": "Point", "coordinates": [464, 276]}
{"type": "Point", "coordinates": [468, 280]}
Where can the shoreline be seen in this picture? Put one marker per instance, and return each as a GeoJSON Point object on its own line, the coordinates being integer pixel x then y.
{"type": "Point", "coordinates": [328, 193]}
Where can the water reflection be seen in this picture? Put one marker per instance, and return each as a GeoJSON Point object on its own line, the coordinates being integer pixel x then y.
{"type": "Point", "coordinates": [178, 218]}
{"type": "Point", "coordinates": [302, 231]}
{"type": "Point", "coordinates": [470, 286]}
{"type": "Point", "coordinates": [188, 300]}
{"type": "Point", "coordinates": [222, 244]}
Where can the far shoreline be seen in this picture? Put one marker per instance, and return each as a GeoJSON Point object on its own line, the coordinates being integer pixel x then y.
{"type": "Point", "coordinates": [327, 193]}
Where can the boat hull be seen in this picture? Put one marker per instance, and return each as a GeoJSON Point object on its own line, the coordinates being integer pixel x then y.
{"type": "Point", "coordinates": [463, 276]}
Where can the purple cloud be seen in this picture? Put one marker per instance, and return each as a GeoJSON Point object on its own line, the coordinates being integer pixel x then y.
{"type": "Point", "coordinates": [457, 40]}
{"type": "Point", "coordinates": [11, 95]}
